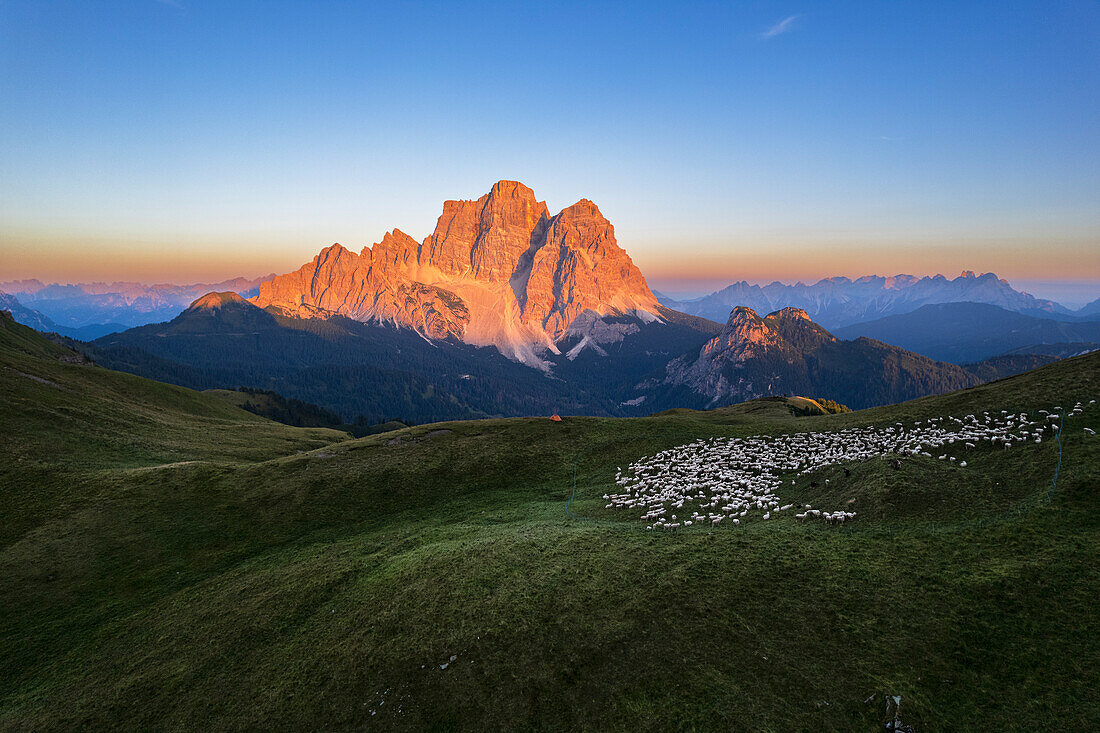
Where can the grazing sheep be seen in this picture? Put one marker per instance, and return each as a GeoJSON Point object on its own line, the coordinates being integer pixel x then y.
{"type": "Point", "coordinates": [731, 477]}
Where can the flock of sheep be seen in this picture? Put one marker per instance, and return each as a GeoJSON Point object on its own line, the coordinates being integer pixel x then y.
{"type": "Point", "coordinates": [727, 479]}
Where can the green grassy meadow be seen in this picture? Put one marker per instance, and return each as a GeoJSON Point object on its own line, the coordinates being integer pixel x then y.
{"type": "Point", "coordinates": [169, 561]}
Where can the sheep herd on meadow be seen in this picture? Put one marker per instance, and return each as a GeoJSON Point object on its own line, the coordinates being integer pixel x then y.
{"type": "Point", "coordinates": [729, 479]}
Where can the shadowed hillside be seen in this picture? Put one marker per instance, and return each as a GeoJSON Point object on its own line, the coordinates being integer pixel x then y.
{"type": "Point", "coordinates": [969, 332]}
{"type": "Point", "coordinates": [787, 353]}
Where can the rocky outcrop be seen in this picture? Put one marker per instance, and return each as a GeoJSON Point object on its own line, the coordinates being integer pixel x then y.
{"type": "Point", "coordinates": [786, 353]}
{"type": "Point", "coordinates": [579, 267]}
{"type": "Point", "coordinates": [27, 316]}
{"type": "Point", "coordinates": [485, 239]}
{"type": "Point", "coordinates": [496, 271]}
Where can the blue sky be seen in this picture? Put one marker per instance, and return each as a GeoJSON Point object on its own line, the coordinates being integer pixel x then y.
{"type": "Point", "coordinates": [191, 139]}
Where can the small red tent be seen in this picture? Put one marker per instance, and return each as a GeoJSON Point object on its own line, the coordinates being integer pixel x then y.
{"type": "Point", "coordinates": [555, 418]}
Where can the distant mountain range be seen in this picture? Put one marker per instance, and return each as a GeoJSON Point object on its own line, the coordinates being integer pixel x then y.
{"type": "Point", "coordinates": [41, 322]}
{"type": "Point", "coordinates": [1089, 309]}
{"type": "Point", "coordinates": [840, 301]}
{"type": "Point", "coordinates": [501, 271]}
{"type": "Point", "coordinates": [26, 316]}
{"type": "Point", "coordinates": [100, 308]}
{"type": "Point", "coordinates": [968, 332]}
{"type": "Point", "coordinates": [506, 309]}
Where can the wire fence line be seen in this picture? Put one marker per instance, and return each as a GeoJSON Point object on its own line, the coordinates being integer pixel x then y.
{"type": "Point", "coordinates": [1057, 468]}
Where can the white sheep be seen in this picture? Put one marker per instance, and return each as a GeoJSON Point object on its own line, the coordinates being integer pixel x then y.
{"type": "Point", "coordinates": [731, 477]}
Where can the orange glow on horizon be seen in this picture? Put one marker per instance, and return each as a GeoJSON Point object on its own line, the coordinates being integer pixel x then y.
{"type": "Point", "coordinates": [71, 259]}
{"type": "Point", "coordinates": [789, 262]}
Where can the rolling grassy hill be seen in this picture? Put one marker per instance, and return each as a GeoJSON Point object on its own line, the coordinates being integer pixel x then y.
{"type": "Point", "coordinates": [176, 562]}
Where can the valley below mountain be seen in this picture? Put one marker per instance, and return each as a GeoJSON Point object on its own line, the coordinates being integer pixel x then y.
{"type": "Point", "coordinates": [381, 371]}
{"type": "Point", "coordinates": [968, 332]}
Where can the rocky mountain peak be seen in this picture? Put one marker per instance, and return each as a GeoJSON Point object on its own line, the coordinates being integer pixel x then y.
{"type": "Point", "coordinates": [397, 249]}
{"type": "Point", "coordinates": [787, 353]}
{"type": "Point", "coordinates": [582, 210]}
{"type": "Point", "coordinates": [790, 313]}
{"type": "Point", "coordinates": [504, 191]}
{"type": "Point", "coordinates": [333, 250]}
{"type": "Point", "coordinates": [744, 330]}
{"type": "Point", "coordinates": [496, 271]}
{"type": "Point", "coordinates": [742, 314]}
{"type": "Point", "coordinates": [746, 334]}
{"type": "Point", "coordinates": [484, 239]}
{"type": "Point", "coordinates": [795, 328]}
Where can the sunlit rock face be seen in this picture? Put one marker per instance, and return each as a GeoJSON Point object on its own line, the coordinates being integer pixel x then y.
{"type": "Point", "coordinates": [486, 238]}
{"type": "Point", "coordinates": [722, 366]}
{"type": "Point", "coordinates": [497, 271]}
{"type": "Point", "coordinates": [786, 353]}
{"type": "Point", "coordinates": [788, 333]}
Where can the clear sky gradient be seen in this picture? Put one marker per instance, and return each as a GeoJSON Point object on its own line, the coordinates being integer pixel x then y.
{"type": "Point", "coordinates": [190, 140]}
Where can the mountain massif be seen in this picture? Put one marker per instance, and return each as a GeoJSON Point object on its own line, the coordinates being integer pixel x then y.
{"type": "Point", "coordinates": [499, 271]}
{"type": "Point", "coordinates": [89, 310]}
{"type": "Point", "coordinates": [840, 301]}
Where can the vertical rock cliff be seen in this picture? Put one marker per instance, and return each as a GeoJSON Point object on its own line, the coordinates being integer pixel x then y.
{"type": "Point", "coordinates": [497, 271]}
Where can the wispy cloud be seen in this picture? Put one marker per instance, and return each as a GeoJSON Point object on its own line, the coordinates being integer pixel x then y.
{"type": "Point", "coordinates": [781, 27]}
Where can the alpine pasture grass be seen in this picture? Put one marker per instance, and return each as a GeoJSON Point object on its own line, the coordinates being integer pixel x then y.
{"type": "Point", "coordinates": [173, 562]}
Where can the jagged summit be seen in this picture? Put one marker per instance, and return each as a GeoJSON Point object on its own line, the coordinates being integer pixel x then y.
{"type": "Point", "coordinates": [839, 301]}
{"type": "Point", "coordinates": [742, 314]}
{"type": "Point", "coordinates": [747, 335]}
{"type": "Point", "coordinates": [787, 353]}
{"type": "Point", "coordinates": [499, 271]}
{"type": "Point", "coordinates": [791, 313]}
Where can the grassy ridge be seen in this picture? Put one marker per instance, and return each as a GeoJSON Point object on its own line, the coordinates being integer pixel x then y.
{"type": "Point", "coordinates": [255, 586]}
{"type": "Point", "coordinates": [66, 424]}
